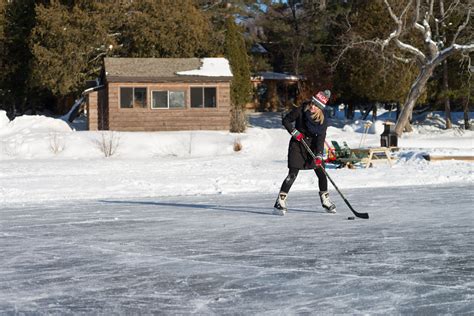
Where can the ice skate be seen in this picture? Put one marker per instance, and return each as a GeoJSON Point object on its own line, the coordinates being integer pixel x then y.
{"type": "Point", "coordinates": [280, 204]}
{"type": "Point", "coordinates": [326, 202]}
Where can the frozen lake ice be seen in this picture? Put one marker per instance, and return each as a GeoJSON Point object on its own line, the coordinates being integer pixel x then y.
{"type": "Point", "coordinates": [226, 254]}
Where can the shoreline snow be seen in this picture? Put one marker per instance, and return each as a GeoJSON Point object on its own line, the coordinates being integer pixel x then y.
{"type": "Point", "coordinates": [44, 159]}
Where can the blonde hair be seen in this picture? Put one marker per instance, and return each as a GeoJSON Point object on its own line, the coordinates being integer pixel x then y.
{"type": "Point", "coordinates": [317, 116]}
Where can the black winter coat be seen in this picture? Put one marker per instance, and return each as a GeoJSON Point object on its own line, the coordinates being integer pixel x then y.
{"type": "Point", "coordinates": [315, 135]}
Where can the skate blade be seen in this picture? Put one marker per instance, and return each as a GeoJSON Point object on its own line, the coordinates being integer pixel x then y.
{"type": "Point", "coordinates": [331, 211]}
{"type": "Point", "coordinates": [279, 212]}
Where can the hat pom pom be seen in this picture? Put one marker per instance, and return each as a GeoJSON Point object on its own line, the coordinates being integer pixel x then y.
{"type": "Point", "coordinates": [327, 93]}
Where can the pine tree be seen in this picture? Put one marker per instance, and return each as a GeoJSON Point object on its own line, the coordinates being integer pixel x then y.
{"type": "Point", "coordinates": [167, 28]}
{"type": "Point", "coordinates": [241, 87]}
{"type": "Point", "coordinates": [68, 43]}
{"type": "Point", "coordinates": [72, 37]}
{"type": "Point", "coordinates": [18, 23]}
{"type": "Point", "coordinates": [217, 11]}
{"type": "Point", "coordinates": [300, 36]}
{"type": "Point", "coordinates": [364, 74]}
{"type": "Point", "coordinates": [3, 60]}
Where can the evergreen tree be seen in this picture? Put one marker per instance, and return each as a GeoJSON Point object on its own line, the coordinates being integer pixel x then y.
{"type": "Point", "coordinates": [364, 74]}
{"type": "Point", "coordinates": [16, 66]}
{"type": "Point", "coordinates": [217, 12]}
{"type": "Point", "coordinates": [68, 43]}
{"type": "Point", "coordinates": [167, 28]}
{"type": "Point", "coordinates": [460, 90]}
{"type": "Point", "coordinates": [72, 37]}
{"type": "Point", "coordinates": [326, 27]}
{"type": "Point", "coordinates": [241, 87]}
{"type": "Point", "coordinates": [282, 25]}
{"type": "Point", "coordinates": [3, 60]}
{"type": "Point", "coordinates": [300, 36]}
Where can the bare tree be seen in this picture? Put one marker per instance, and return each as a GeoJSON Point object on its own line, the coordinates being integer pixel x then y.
{"type": "Point", "coordinates": [467, 97]}
{"type": "Point", "coordinates": [108, 143]}
{"type": "Point", "coordinates": [447, 103]}
{"type": "Point", "coordinates": [56, 143]}
{"type": "Point", "coordinates": [433, 51]}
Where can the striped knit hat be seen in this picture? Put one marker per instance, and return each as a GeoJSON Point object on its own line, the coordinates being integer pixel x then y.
{"type": "Point", "coordinates": [321, 98]}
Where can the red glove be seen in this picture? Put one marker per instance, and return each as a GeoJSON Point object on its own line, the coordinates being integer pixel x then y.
{"type": "Point", "coordinates": [297, 135]}
{"type": "Point", "coordinates": [318, 161]}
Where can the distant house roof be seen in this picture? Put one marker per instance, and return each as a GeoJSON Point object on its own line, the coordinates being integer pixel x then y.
{"type": "Point", "coordinates": [257, 48]}
{"type": "Point", "coordinates": [260, 76]}
{"type": "Point", "coordinates": [167, 69]}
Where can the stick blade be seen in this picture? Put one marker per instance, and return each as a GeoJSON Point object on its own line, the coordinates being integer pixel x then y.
{"type": "Point", "coordinates": [362, 215]}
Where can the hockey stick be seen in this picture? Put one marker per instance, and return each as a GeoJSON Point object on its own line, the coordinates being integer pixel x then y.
{"type": "Point", "coordinates": [360, 215]}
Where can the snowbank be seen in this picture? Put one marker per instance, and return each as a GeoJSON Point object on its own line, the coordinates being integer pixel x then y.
{"type": "Point", "coordinates": [29, 124]}
{"type": "Point", "coordinates": [4, 120]}
{"type": "Point", "coordinates": [45, 159]}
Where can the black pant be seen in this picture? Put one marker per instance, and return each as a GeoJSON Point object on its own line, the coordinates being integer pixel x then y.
{"type": "Point", "coordinates": [293, 173]}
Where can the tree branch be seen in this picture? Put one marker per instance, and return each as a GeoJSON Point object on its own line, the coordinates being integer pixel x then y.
{"type": "Point", "coordinates": [462, 26]}
{"type": "Point", "coordinates": [402, 59]}
{"type": "Point", "coordinates": [455, 48]}
{"type": "Point", "coordinates": [431, 8]}
{"type": "Point", "coordinates": [396, 34]}
{"type": "Point", "coordinates": [348, 47]}
{"type": "Point", "coordinates": [411, 49]}
{"type": "Point", "coordinates": [417, 25]}
{"type": "Point", "coordinates": [433, 48]}
{"type": "Point", "coordinates": [451, 8]}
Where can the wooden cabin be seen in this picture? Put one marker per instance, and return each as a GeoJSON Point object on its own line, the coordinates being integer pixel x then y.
{"type": "Point", "coordinates": [280, 91]}
{"type": "Point", "coordinates": [162, 94]}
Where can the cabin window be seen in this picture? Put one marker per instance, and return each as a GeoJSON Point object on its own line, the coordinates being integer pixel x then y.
{"type": "Point", "coordinates": [203, 97]}
{"type": "Point", "coordinates": [167, 99]}
{"type": "Point", "coordinates": [133, 98]}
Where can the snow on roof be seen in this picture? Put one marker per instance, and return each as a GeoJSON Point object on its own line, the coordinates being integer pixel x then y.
{"type": "Point", "coordinates": [211, 67]}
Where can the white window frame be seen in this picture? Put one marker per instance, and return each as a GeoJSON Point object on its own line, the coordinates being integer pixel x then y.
{"type": "Point", "coordinates": [167, 99]}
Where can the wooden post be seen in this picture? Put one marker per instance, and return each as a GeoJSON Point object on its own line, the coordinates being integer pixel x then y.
{"type": "Point", "coordinates": [92, 111]}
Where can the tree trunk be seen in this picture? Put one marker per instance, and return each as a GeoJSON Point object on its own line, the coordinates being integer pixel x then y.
{"type": "Point", "coordinates": [403, 122]}
{"type": "Point", "coordinates": [467, 126]}
{"type": "Point", "coordinates": [350, 111]}
{"type": "Point", "coordinates": [322, 5]}
{"type": "Point", "coordinates": [272, 95]}
{"type": "Point", "coordinates": [447, 104]}
{"type": "Point", "coordinates": [238, 120]}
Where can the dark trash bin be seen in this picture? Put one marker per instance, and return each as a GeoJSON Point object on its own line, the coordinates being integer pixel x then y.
{"type": "Point", "coordinates": [389, 138]}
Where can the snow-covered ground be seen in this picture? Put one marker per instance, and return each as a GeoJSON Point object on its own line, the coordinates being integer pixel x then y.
{"type": "Point", "coordinates": [44, 159]}
{"type": "Point", "coordinates": [179, 223]}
